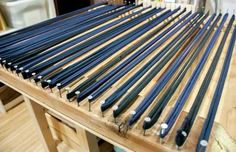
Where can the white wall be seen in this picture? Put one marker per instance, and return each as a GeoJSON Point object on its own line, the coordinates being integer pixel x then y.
{"type": "Point", "coordinates": [228, 5]}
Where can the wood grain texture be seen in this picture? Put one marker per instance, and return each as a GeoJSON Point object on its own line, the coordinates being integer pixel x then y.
{"type": "Point", "coordinates": [37, 113]}
{"type": "Point", "coordinates": [18, 133]}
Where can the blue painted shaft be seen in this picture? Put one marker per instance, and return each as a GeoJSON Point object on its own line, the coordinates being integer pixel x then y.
{"type": "Point", "coordinates": [191, 82]}
{"type": "Point", "coordinates": [208, 123]}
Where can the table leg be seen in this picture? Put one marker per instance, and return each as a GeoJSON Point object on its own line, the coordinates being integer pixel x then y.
{"type": "Point", "coordinates": [38, 114]}
{"type": "Point", "coordinates": [89, 141]}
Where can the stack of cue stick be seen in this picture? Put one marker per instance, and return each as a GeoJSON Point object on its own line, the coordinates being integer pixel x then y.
{"type": "Point", "coordinates": [82, 55]}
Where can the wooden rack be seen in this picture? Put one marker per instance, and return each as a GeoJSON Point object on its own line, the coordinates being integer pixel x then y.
{"type": "Point", "coordinates": [92, 123]}
{"type": "Point", "coordinates": [107, 130]}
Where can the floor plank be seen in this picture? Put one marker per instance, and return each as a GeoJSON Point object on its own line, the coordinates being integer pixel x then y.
{"type": "Point", "coordinates": [17, 132]}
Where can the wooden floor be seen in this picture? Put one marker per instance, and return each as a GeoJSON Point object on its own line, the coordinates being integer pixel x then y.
{"type": "Point", "coordinates": [18, 134]}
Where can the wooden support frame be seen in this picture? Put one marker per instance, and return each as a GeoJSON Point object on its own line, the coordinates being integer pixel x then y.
{"type": "Point", "coordinates": [77, 116]}
{"type": "Point", "coordinates": [13, 103]}
{"type": "Point", "coordinates": [37, 111]}
{"type": "Point", "coordinates": [38, 114]}
{"type": "Point", "coordinates": [2, 108]}
{"type": "Point", "coordinates": [104, 127]}
{"type": "Point", "coordinates": [10, 100]}
{"type": "Point", "coordinates": [89, 141]}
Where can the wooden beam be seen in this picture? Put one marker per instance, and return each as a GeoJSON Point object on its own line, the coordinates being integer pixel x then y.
{"type": "Point", "coordinates": [14, 102]}
{"type": "Point", "coordinates": [88, 141]}
{"type": "Point", "coordinates": [2, 108]}
{"type": "Point", "coordinates": [38, 114]}
{"type": "Point", "coordinates": [8, 98]}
